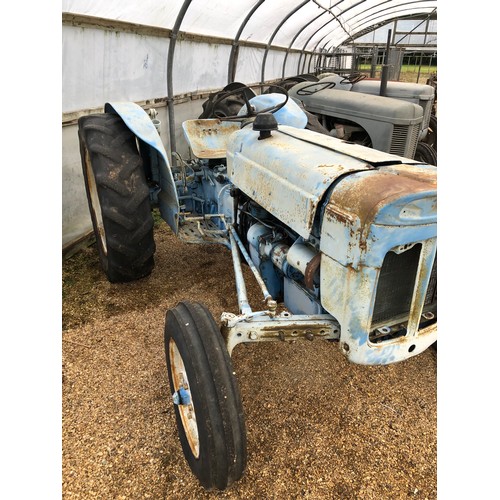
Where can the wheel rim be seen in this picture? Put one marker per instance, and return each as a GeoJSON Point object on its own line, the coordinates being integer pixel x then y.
{"type": "Point", "coordinates": [96, 205]}
{"type": "Point", "coordinates": [186, 411]}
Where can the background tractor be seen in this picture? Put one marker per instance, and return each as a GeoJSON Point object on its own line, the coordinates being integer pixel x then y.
{"type": "Point", "coordinates": [372, 121]}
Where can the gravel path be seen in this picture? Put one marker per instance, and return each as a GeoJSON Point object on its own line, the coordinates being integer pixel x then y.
{"type": "Point", "coordinates": [317, 426]}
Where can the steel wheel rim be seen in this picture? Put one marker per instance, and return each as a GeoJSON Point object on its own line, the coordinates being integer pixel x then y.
{"type": "Point", "coordinates": [186, 412]}
{"type": "Point", "coordinates": [95, 204]}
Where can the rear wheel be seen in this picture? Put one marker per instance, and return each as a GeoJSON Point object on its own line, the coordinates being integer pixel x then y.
{"type": "Point", "coordinates": [207, 401]}
{"type": "Point", "coordinates": [431, 137]}
{"type": "Point", "coordinates": [425, 154]}
{"type": "Point", "coordinates": [118, 197]}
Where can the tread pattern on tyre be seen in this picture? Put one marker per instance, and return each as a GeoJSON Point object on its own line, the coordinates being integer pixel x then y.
{"type": "Point", "coordinates": [123, 196]}
{"type": "Point", "coordinates": [426, 153]}
{"type": "Point", "coordinates": [215, 393]}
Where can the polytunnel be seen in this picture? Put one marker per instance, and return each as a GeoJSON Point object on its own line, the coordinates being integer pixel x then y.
{"type": "Point", "coordinates": [168, 57]}
{"type": "Point", "coordinates": [249, 240]}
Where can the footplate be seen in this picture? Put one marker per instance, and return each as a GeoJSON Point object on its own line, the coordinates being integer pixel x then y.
{"type": "Point", "coordinates": [202, 230]}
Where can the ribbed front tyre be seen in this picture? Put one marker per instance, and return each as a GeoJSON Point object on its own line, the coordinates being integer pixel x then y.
{"type": "Point", "coordinates": [118, 197]}
{"type": "Point", "coordinates": [206, 397]}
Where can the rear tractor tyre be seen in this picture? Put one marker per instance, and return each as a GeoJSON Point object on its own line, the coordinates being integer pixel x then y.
{"type": "Point", "coordinates": [431, 137]}
{"type": "Point", "coordinates": [118, 197]}
{"type": "Point", "coordinates": [207, 402]}
{"type": "Point", "coordinates": [425, 154]}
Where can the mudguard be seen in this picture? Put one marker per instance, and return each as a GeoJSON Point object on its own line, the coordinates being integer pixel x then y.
{"type": "Point", "coordinates": [138, 121]}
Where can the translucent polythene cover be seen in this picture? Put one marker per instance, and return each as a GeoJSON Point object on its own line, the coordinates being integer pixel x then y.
{"type": "Point", "coordinates": [299, 24]}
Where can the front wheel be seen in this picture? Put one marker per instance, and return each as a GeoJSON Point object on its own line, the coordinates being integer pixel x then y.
{"type": "Point", "coordinates": [207, 402]}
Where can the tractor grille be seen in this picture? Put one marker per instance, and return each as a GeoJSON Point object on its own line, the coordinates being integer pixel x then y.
{"type": "Point", "coordinates": [404, 140]}
{"type": "Point", "coordinates": [395, 286]}
{"type": "Point", "coordinates": [430, 303]}
{"type": "Point", "coordinates": [427, 107]}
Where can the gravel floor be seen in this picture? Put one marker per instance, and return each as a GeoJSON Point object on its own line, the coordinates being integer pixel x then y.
{"type": "Point", "coordinates": [317, 426]}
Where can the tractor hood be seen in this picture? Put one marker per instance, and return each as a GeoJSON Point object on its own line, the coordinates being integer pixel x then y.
{"type": "Point", "coordinates": [396, 90]}
{"type": "Point", "coordinates": [289, 172]}
{"type": "Point", "coordinates": [318, 99]}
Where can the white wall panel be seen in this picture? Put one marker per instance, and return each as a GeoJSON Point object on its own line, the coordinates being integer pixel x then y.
{"type": "Point", "coordinates": [199, 66]}
{"type": "Point", "coordinates": [291, 64]}
{"type": "Point", "coordinates": [100, 65]}
{"type": "Point", "coordinates": [249, 65]}
{"type": "Point", "coordinates": [274, 64]}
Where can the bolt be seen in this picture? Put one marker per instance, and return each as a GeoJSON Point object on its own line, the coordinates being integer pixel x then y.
{"type": "Point", "coordinates": [281, 335]}
{"type": "Point", "coordinates": [252, 336]}
{"type": "Point", "coordinates": [309, 335]}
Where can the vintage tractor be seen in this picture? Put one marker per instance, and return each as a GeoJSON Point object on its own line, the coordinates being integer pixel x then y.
{"type": "Point", "coordinates": [341, 239]}
{"type": "Point", "coordinates": [361, 119]}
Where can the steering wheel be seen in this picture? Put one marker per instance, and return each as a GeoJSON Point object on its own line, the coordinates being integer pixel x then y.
{"type": "Point", "coordinates": [250, 111]}
{"type": "Point", "coordinates": [353, 78]}
{"type": "Point", "coordinates": [315, 87]}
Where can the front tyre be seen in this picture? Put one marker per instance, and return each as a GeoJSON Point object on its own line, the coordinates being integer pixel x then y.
{"type": "Point", "coordinates": [118, 197]}
{"type": "Point", "coordinates": [207, 401]}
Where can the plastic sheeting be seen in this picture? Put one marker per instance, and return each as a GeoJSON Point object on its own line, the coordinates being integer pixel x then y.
{"type": "Point", "coordinates": [335, 21]}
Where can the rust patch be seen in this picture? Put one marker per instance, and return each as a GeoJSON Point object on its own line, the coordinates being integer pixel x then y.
{"type": "Point", "coordinates": [375, 189]}
{"type": "Point", "coordinates": [208, 137]}
{"type": "Point", "coordinates": [311, 269]}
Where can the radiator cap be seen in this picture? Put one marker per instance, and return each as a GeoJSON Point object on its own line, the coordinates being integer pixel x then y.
{"type": "Point", "coordinates": [264, 123]}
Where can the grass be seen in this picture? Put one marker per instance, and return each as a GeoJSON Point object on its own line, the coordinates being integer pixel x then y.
{"type": "Point", "coordinates": [409, 72]}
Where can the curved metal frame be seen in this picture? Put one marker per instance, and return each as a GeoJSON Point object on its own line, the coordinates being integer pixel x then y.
{"type": "Point", "coordinates": [307, 43]}
{"type": "Point", "coordinates": [376, 25]}
{"type": "Point", "coordinates": [233, 57]}
{"type": "Point", "coordinates": [170, 63]}
{"type": "Point", "coordinates": [285, 19]}
{"type": "Point", "coordinates": [325, 11]}
{"type": "Point", "coordinates": [335, 18]}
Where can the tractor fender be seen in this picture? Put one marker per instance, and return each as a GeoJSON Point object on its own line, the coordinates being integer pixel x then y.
{"type": "Point", "coordinates": [138, 121]}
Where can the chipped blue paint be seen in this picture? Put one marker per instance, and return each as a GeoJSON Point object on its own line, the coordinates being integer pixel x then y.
{"type": "Point", "coordinates": [290, 114]}
{"type": "Point", "coordinates": [359, 228]}
{"type": "Point", "coordinates": [141, 125]}
{"type": "Point", "coordinates": [286, 176]}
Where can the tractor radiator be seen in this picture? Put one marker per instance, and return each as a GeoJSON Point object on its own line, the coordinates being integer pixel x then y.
{"type": "Point", "coordinates": [404, 140]}
{"type": "Point", "coordinates": [396, 284]}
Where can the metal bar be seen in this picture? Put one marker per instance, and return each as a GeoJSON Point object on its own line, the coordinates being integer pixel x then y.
{"type": "Point", "coordinates": [426, 20]}
{"type": "Point", "coordinates": [241, 290]}
{"type": "Point", "coordinates": [316, 46]}
{"type": "Point", "coordinates": [170, 87]}
{"type": "Point", "coordinates": [258, 277]}
{"type": "Point", "coordinates": [385, 67]}
{"type": "Point", "coordinates": [299, 32]}
{"type": "Point", "coordinates": [395, 14]}
{"type": "Point", "coordinates": [233, 57]}
{"type": "Point", "coordinates": [290, 14]}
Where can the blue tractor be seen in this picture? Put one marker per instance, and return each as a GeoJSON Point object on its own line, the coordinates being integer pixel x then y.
{"type": "Point", "coordinates": [341, 239]}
